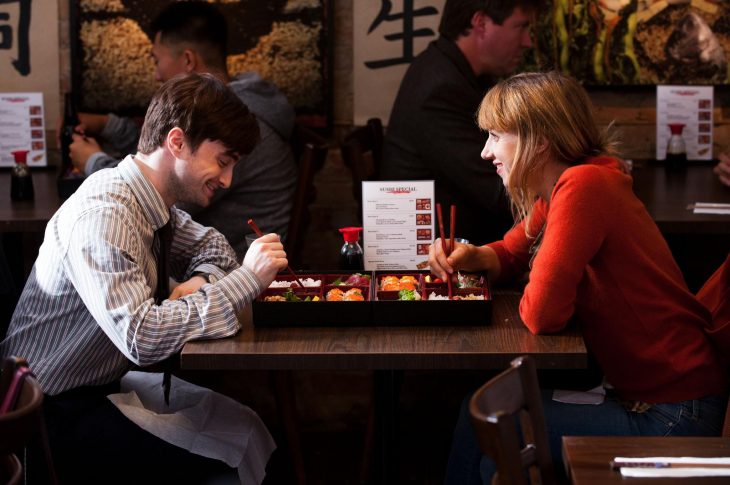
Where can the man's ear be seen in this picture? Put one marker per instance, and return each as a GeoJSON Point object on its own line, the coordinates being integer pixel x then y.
{"type": "Point", "coordinates": [175, 141]}
{"type": "Point", "coordinates": [190, 60]}
{"type": "Point", "coordinates": [480, 21]}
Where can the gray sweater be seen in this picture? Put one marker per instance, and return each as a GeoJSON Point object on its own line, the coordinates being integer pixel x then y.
{"type": "Point", "coordinates": [263, 182]}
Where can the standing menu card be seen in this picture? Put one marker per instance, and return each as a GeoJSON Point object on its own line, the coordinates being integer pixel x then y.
{"type": "Point", "coordinates": [22, 128]}
{"type": "Point", "coordinates": [692, 107]}
{"type": "Point", "coordinates": [398, 223]}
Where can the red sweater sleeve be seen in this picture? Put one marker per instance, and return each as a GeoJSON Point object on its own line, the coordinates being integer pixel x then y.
{"type": "Point", "coordinates": [514, 250]}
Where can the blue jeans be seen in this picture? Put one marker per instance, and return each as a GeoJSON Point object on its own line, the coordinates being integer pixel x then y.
{"type": "Point", "coordinates": [699, 417]}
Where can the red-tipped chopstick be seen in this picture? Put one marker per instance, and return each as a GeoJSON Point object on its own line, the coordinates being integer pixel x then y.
{"type": "Point", "coordinates": [447, 248]}
{"type": "Point", "coordinates": [259, 234]}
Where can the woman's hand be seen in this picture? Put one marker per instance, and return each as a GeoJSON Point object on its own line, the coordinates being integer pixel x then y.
{"type": "Point", "coordinates": [444, 266]}
{"type": "Point", "coordinates": [266, 257]}
{"type": "Point", "coordinates": [464, 257]}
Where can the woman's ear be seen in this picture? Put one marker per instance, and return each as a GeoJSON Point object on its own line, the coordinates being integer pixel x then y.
{"type": "Point", "coordinates": [543, 147]}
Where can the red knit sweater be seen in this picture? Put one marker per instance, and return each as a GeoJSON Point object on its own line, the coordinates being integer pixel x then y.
{"type": "Point", "coordinates": [604, 261]}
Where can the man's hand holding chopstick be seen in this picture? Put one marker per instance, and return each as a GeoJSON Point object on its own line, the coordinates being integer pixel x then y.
{"type": "Point", "coordinates": [266, 257]}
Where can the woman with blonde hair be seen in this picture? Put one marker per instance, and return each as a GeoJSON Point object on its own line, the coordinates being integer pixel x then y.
{"type": "Point", "coordinates": [594, 256]}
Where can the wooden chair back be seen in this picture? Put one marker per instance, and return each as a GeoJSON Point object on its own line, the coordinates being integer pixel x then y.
{"type": "Point", "coordinates": [24, 421]}
{"type": "Point", "coordinates": [510, 426]}
{"type": "Point", "coordinates": [310, 150]}
{"type": "Point", "coordinates": [362, 151]}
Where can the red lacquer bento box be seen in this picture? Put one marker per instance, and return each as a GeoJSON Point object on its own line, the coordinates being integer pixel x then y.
{"type": "Point", "coordinates": [387, 298]}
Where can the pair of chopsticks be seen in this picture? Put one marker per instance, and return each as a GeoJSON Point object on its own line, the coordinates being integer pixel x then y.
{"type": "Point", "coordinates": [259, 234]}
{"type": "Point", "coordinates": [450, 246]}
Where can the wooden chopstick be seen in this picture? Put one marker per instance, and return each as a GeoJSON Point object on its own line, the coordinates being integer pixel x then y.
{"type": "Point", "coordinates": [259, 234]}
{"type": "Point", "coordinates": [452, 230]}
{"type": "Point", "coordinates": [447, 249]}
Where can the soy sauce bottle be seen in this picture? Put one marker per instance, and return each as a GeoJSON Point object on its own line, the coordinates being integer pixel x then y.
{"type": "Point", "coordinates": [21, 181]}
{"type": "Point", "coordinates": [676, 149]}
{"type": "Point", "coordinates": [351, 255]}
{"type": "Point", "coordinates": [70, 122]}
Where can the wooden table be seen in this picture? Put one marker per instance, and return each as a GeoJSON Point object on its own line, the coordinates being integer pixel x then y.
{"type": "Point", "coordinates": [666, 195]}
{"type": "Point", "coordinates": [432, 347]}
{"type": "Point", "coordinates": [31, 215]}
{"type": "Point", "coordinates": [387, 351]}
{"type": "Point", "coordinates": [587, 458]}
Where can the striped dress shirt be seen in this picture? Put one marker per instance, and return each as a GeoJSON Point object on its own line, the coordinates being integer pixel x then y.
{"type": "Point", "coordinates": [87, 313]}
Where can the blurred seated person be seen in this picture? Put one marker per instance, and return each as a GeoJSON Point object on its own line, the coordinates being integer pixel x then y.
{"type": "Point", "coordinates": [432, 134]}
{"type": "Point", "coordinates": [191, 37]}
{"type": "Point", "coordinates": [95, 304]}
{"type": "Point", "coordinates": [594, 256]}
{"type": "Point", "coordinates": [722, 169]}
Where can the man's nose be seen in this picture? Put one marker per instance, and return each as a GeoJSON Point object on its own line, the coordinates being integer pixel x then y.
{"type": "Point", "coordinates": [226, 177]}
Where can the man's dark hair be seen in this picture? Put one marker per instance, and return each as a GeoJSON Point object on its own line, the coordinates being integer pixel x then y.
{"type": "Point", "coordinates": [457, 14]}
{"type": "Point", "coordinates": [205, 109]}
{"type": "Point", "coordinates": [198, 23]}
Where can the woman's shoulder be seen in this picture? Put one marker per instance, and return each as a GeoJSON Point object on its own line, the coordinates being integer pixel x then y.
{"type": "Point", "coordinates": [600, 171]}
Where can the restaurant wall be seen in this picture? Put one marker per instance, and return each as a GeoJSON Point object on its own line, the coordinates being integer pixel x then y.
{"type": "Point", "coordinates": [631, 109]}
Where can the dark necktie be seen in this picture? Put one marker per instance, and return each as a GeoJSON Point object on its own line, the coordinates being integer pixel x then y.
{"type": "Point", "coordinates": [163, 235]}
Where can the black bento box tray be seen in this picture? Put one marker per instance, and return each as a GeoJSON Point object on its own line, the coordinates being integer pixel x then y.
{"type": "Point", "coordinates": [313, 313]}
{"type": "Point", "coordinates": [391, 312]}
{"type": "Point", "coordinates": [379, 308]}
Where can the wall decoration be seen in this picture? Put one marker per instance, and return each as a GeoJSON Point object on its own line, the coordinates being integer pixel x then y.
{"type": "Point", "coordinates": [285, 41]}
{"type": "Point", "coordinates": [633, 42]}
{"type": "Point", "coordinates": [29, 52]}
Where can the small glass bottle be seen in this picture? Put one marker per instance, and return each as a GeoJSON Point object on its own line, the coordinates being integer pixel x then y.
{"type": "Point", "coordinates": [21, 181]}
{"type": "Point", "coordinates": [351, 255]}
{"type": "Point", "coordinates": [676, 149]}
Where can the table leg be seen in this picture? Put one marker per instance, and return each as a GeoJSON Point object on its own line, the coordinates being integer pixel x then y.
{"type": "Point", "coordinates": [386, 392]}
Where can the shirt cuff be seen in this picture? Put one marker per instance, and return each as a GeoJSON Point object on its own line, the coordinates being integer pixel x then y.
{"type": "Point", "coordinates": [112, 127]}
{"type": "Point", "coordinates": [93, 161]}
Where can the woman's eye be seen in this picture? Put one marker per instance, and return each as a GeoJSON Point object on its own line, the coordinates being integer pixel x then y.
{"type": "Point", "coordinates": [493, 136]}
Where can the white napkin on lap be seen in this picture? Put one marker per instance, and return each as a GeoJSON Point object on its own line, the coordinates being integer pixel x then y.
{"type": "Point", "coordinates": [199, 420]}
{"type": "Point", "coordinates": [594, 396]}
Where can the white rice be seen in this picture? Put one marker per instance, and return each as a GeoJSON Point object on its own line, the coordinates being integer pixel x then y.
{"type": "Point", "coordinates": [286, 284]}
{"type": "Point", "coordinates": [434, 296]}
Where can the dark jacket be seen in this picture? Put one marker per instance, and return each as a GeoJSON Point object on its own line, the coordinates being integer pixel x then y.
{"type": "Point", "coordinates": [432, 134]}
